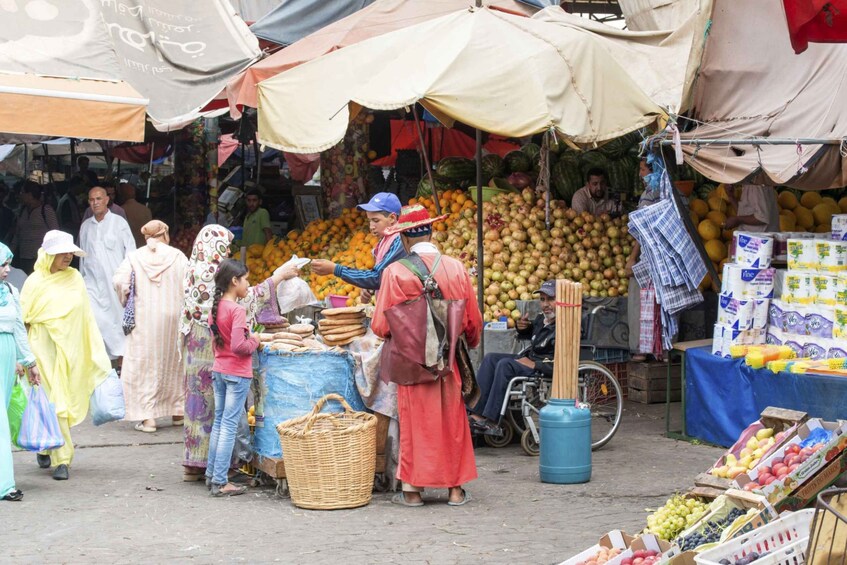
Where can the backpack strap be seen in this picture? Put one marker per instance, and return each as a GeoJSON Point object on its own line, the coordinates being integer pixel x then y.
{"type": "Point", "coordinates": [415, 264]}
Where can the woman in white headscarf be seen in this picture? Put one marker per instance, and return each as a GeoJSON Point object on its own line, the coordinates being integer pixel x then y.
{"type": "Point", "coordinates": [151, 372]}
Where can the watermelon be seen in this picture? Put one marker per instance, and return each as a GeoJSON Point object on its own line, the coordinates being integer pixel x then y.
{"type": "Point", "coordinates": [534, 152]}
{"type": "Point", "coordinates": [492, 166]}
{"type": "Point", "coordinates": [457, 169]}
{"type": "Point", "coordinates": [566, 178]}
{"type": "Point", "coordinates": [425, 188]}
{"type": "Point", "coordinates": [621, 146]}
{"type": "Point", "coordinates": [518, 162]}
{"type": "Point", "coordinates": [591, 160]}
{"type": "Point", "coordinates": [623, 174]}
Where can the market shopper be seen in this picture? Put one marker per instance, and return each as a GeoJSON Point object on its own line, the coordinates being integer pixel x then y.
{"type": "Point", "coordinates": [64, 337]}
{"type": "Point", "coordinates": [137, 214]}
{"type": "Point", "coordinates": [34, 220]}
{"type": "Point", "coordinates": [383, 210]}
{"type": "Point", "coordinates": [231, 372]}
{"type": "Point", "coordinates": [757, 210]}
{"type": "Point", "coordinates": [497, 369]}
{"type": "Point", "coordinates": [151, 376]}
{"type": "Point", "coordinates": [257, 222]}
{"type": "Point", "coordinates": [211, 247]}
{"type": "Point", "coordinates": [436, 450]}
{"type": "Point", "coordinates": [106, 239]}
{"type": "Point", "coordinates": [15, 359]}
{"type": "Point", "coordinates": [594, 196]}
{"type": "Point", "coordinates": [85, 174]}
{"type": "Point", "coordinates": [113, 206]}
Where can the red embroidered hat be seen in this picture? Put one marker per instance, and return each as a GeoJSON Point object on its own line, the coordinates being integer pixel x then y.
{"type": "Point", "coordinates": [414, 220]}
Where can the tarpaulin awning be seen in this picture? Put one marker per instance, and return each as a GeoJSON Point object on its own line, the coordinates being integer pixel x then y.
{"type": "Point", "coordinates": [295, 19]}
{"type": "Point", "coordinates": [752, 84]}
{"type": "Point", "coordinates": [662, 63]}
{"type": "Point", "coordinates": [177, 53]}
{"type": "Point", "coordinates": [818, 21]}
{"type": "Point", "coordinates": [48, 106]}
{"type": "Point", "coordinates": [380, 17]}
{"type": "Point", "coordinates": [504, 74]}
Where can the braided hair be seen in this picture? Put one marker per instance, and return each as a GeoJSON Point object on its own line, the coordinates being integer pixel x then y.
{"type": "Point", "coordinates": [228, 269]}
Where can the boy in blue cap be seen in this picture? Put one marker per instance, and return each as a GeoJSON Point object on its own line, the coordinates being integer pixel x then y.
{"type": "Point", "coordinates": [383, 211]}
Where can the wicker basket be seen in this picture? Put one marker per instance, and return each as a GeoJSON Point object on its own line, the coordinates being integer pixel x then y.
{"type": "Point", "coordinates": [330, 459]}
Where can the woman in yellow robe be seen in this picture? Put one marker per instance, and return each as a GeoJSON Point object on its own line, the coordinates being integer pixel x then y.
{"type": "Point", "coordinates": [64, 337]}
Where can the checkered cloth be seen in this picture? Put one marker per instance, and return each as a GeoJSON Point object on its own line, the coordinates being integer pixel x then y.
{"type": "Point", "coordinates": [670, 259]}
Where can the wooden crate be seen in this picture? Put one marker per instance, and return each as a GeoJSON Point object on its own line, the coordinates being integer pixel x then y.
{"type": "Point", "coordinates": [648, 382]}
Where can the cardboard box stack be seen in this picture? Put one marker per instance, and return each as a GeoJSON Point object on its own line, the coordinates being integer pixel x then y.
{"type": "Point", "coordinates": [810, 316]}
{"type": "Point", "coordinates": [746, 292]}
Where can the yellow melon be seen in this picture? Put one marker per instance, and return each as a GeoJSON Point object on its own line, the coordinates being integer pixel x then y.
{"type": "Point", "coordinates": [787, 222]}
{"type": "Point", "coordinates": [829, 200]}
{"type": "Point", "coordinates": [718, 217]}
{"type": "Point", "coordinates": [843, 204]}
{"type": "Point", "coordinates": [716, 249]}
{"type": "Point", "coordinates": [695, 219]}
{"type": "Point", "coordinates": [706, 283]}
{"type": "Point", "coordinates": [810, 199]}
{"type": "Point", "coordinates": [805, 219]}
{"type": "Point", "coordinates": [823, 213]}
{"type": "Point", "coordinates": [715, 203]}
{"type": "Point", "coordinates": [787, 200]}
{"type": "Point", "coordinates": [708, 231]}
{"type": "Point", "coordinates": [699, 207]}
{"type": "Point", "coordinates": [823, 228]}
{"type": "Point", "coordinates": [721, 192]}
{"type": "Point", "coordinates": [726, 235]}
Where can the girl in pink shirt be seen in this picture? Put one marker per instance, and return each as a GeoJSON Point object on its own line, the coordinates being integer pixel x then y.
{"type": "Point", "coordinates": [231, 372]}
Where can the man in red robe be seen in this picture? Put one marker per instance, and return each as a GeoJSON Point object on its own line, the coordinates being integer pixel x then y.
{"type": "Point", "coordinates": [436, 449]}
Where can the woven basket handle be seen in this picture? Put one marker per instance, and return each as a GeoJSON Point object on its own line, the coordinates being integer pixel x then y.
{"type": "Point", "coordinates": [313, 416]}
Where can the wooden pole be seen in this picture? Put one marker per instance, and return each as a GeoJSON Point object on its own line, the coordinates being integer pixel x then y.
{"type": "Point", "coordinates": [426, 161]}
{"type": "Point", "coordinates": [566, 353]}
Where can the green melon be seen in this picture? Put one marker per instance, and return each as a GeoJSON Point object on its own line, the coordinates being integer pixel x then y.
{"type": "Point", "coordinates": [425, 188]}
{"type": "Point", "coordinates": [518, 162]}
{"type": "Point", "coordinates": [492, 166]}
{"type": "Point", "coordinates": [456, 169]}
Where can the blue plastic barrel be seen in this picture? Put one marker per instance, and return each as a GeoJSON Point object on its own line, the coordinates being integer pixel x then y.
{"type": "Point", "coordinates": [565, 443]}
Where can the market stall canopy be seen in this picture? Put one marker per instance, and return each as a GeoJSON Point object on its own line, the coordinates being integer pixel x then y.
{"type": "Point", "coordinates": [752, 84]}
{"type": "Point", "coordinates": [652, 15]}
{"type": "Point", "coordinates": [816, 21]}
{"type": "Point", "coordinates": [504, 74]}
{"type": "Point", "coordinates": [295, 19]}
{"type": "Point", "coordinates": [380, 17]}
{"type": "Point", "coordinates": [254, 10]}
{"type": "Point", "coordinates": [177, 53]}
{"type": "Point", "coordinates": [662, 63]}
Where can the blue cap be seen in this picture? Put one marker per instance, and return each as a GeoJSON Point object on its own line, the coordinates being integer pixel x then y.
{"type": "Point", "coordinates": [382, 202]}
{"type": "Point", "coordinates": [548, 288]}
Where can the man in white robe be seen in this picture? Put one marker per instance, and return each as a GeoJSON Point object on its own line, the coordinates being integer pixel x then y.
{"type": "Point", "coordinates": [106, 238]}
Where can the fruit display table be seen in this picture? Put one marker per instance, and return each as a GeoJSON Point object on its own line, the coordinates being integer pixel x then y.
{"type": "Point", "coordinates": [722, 396]}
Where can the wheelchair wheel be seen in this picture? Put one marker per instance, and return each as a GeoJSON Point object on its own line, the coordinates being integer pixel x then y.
{"type": "Point", "coordinates": [502, 440]}
{"type": "Point", "coordinates": [529, 445]}
{"type": "Point", "coordinates": [601, 392]}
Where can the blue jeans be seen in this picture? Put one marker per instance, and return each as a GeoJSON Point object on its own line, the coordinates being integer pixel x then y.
{"type": "Point", "coordinates": [230, 395]}
{"type": "Point", "coordinates": [495, 372]}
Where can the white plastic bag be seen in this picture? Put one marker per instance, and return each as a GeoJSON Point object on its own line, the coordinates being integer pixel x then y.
{"type": "Point", "coordinates": [107, 401]}
{"type": "Point", "coordinates": [294, 293]}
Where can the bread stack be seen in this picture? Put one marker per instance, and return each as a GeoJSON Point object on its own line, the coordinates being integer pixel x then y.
{"type": "Point", "coordinates": [340, 326]}
{"type": "Point", "coordinates": [281, 341]}
{"type": "Point", "coordinates": [305, 331]}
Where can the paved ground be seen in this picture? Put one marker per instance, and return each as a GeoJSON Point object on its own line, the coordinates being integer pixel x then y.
{"type": "Point", "coordinates": [125, 503]}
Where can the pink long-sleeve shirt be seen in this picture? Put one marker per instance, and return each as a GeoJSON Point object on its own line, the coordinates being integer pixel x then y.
{"type": "Point", "coordinates": [235, 357]}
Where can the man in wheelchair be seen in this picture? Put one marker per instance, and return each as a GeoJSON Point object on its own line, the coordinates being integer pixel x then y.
{"type": "Point", "coordinates": [497, 369]}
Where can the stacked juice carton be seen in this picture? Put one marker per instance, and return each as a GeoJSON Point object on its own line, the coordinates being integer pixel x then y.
{"type": "Point", "coordinates": [811, 314]}
{"type": "Point", "coordinates": [746, 292]}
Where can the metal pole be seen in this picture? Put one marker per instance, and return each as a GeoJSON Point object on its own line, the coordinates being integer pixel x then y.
{"type": "Point", "coordinates": [426, 161]}
{"type": "Point", "coordinates": [755, 142]}
{"type": "Point", "coordinates": [150, 167]}
{"type": "Point", "coordinates": [73, 157]}
{"type": "Point", "coordinates": [480, 268]}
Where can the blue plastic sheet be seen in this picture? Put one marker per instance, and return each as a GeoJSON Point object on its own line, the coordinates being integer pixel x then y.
{"type": "Point", "coordinates": [293, 383]}
{"type": "Point", "coordinates": [723, 396]}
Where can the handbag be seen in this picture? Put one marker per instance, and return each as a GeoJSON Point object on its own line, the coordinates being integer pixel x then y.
{"type": "Point", "coordinates": [107, 401]}
{"type": "Point", "coordinates": [128, 321]}
{"type": "Point", "coordinates": [269, 316]}
{"type": "Point", "coordinates": [40, 429]}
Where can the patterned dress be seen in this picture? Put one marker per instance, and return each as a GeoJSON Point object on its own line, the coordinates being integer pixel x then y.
{"type": "Point", "coordinates": [210, 248]}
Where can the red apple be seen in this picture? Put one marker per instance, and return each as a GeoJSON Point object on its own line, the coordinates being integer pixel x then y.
{"type": "Point", "coordinates": [793, 448]}
{"type": "Point", "coordinates": [782, 472]}
{"type": "Point", "coordinates": [751, 486]}
{"type": "Point", "coordinates": [770, 480]}
{"type": "Point", "coordinates": [793, 467]}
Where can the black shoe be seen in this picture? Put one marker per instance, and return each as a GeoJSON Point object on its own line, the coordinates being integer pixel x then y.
{"type": "Point", "coordinates": [43, 461]}
{"type": "Point", "coordinates": [61, 473]}
{"type": "Point", "coordinates": [14, 496]}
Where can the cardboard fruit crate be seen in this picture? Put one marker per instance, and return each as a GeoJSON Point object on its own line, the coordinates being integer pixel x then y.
{"type": "Point", "coordinates": [614, 539]}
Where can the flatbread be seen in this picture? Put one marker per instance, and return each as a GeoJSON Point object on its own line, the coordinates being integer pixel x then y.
{"type": "Point", "coordinates": [333, 312]}
{"type": "Point", "coordinates": [347, 341]}
{"type": "Point", "coordinates": [287, 335]}
{"type": "Point", "coordinates": [279, 346]}
{"type": "Point", "coordinates": [295, 343]}
{"type": "Point", "coordinates": [340, 330]}
{"type": "Point", "coordinates": [341, 337]}
{"type": "Point", "coordinates": [341, 321]}
{"type": "Point", "coordinates": [301, 328]}
{"type": "Point", "coordinates": [266, 338]}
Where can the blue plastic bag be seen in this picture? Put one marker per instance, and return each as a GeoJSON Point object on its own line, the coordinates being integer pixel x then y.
{"type": "Point", "coordinates": [40, 427]}
{"type": "Point", "coordinates": [107, 401]}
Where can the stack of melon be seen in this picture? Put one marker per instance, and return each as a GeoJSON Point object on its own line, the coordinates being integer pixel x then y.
{"type": "Point", "coordinates": [811, 212]}
{"type": "Point", "coordinates": [708, 217]}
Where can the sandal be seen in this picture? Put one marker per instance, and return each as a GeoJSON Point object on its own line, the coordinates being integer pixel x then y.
{"type": "Point", "coordinates": [400, 499]}
{"type": "Point", "coordinates": [140, 427]}
{"type": "Point", "coordinates": [466, 497]}
{"type": "Point", "coordinates": [14, 496]}
{"type": "Point", "coordinates": [486, 428]}
{"type": "Point", "coordinates": [218, 491]}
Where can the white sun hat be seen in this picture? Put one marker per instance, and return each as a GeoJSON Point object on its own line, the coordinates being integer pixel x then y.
{"type": "Point", "coordinates": [57, 241]}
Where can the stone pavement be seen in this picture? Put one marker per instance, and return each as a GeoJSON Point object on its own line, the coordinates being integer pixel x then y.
{"type": "Point", "coordinates": [126, 503]}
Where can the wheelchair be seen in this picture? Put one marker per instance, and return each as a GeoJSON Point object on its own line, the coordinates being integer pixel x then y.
{"type": "Point", "coordinates": [598, 390]}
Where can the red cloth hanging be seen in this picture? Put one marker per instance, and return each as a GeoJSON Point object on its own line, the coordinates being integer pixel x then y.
{"type": "Point", "coordinates": [816, 21]}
